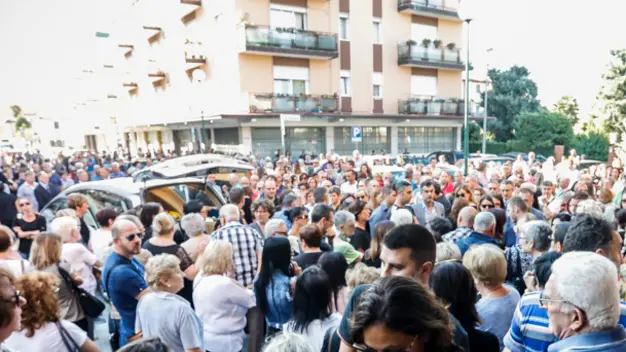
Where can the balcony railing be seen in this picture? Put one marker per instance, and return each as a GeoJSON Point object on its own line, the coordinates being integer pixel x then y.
{"type": "Point", "coordinates": [433, 107]}
{"type": "Point", "coordinates": [291, 42]}
{"type": "Point", "coordinates": [293, 103]}
{"type": "Point", "coordinates": [431, 8]}
{"type": "Point", "coordinates": [417, 55]}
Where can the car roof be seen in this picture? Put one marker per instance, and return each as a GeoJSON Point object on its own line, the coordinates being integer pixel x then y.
{"type": "Point", "coordinates": [190, 160]}
{"type": "Point", "coordinates": [125, 185]}
{"type": "Point", "coordinates": [182, 170]}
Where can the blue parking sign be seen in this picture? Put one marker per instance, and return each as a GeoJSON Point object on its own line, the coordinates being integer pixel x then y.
{"type": "Point", "coordinates": [357, 135]}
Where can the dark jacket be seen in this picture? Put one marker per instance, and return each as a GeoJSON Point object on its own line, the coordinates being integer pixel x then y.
{"type": "Point", "coordinates": [43, 195]}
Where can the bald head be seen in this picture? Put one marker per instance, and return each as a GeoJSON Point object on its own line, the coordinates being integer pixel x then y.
{"type": "Point", "coordinates": [122, 227]}
{"type": "Point", "coordinates": [466, 217]}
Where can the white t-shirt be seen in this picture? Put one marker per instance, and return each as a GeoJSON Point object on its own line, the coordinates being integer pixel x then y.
{"type": "Point", "coordinates": [100, 240]}
{"type": "Point", "coordinates": [81, 260]}
{"type": "Point", "coordinates": [17, 266]}
{"type": "Point", "coordinates": [348, 188]}
{"type": "Point", "coordinates": [316, 330]}
{"type": "Point", "coordinates": [47, 338]}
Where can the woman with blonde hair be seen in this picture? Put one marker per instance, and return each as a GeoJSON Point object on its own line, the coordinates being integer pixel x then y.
{"type": "Point", "coordinates": [220, 301]}
{"type": "Point", "coordinates": [42, 327]}
{"type": "Point", "coordinates": [9, 258]}
{"type": "Point", "coordinates": [162, 313]}
{"type": "Point", "coordinates": [361, 274]}
{"type": "Point", "coordinates": [27, 225]}
{"type": "Point", "coordinates": [372, 254]}
{"type": "Point", "coordinates": [162, 242]}
{"type": "Point", "coordinates": [45, 255]}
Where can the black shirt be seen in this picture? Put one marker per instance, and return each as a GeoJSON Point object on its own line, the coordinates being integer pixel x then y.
{"type": "Point", "coordinates": [38, 224]}
{"type": "Point", "coordinates": [305, 260]}
{"type": "Point", "coordinates": [85, 233]}
{"type": "Point", "coordinates": [185, 262]}
{"type": "Point", "coordinates": [361, 240]}
{"type": "Point", "coordinates": [374, 262]}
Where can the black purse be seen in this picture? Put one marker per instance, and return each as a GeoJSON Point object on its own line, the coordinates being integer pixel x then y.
{"type": "Point", "coordinates": [91, 305]}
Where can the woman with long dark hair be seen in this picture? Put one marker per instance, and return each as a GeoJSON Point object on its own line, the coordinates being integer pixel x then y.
{"type": "Point", "coordinates": [372, 255]}
{"type": "Point", "coordinates": [335, 265]}
{"type": "Point", "coordinates": [148, 212]}
{"type": "Point", "coordinates": [398, 313]}
{"type": "Point", "coordinates": [272, 287]}
{"type": "Point", "coordinates": [453, 284]}
{"type": "Point", "coordinates": [311, 307]}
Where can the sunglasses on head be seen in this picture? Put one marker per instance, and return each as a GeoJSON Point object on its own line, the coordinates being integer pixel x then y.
{"type": "Point", "coordinates": [131, 237]}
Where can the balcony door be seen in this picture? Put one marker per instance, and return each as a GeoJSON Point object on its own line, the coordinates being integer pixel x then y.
{"type": "Point", "coordinates": [288, 17]}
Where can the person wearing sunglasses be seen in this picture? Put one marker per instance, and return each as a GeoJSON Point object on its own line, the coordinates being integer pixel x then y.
{"type": "Point", "coordinates": [11, 304]}
{"type": "Point", "coordinates": [27, 225]}
{"type": "Point", "coordinates": [298, 216]}
{"type": "Point", "coordinates": [486, 203]}
{"type": "Point", "coordinates": [123, 275]}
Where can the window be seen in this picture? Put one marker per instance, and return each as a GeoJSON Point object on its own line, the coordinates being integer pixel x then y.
{"type": "Point", "coordinates": [343, 27]}
{"type": "Point", "coordinates": [424, 85]}
{"type": "Point", "coordinates": [377, 38]}
{"type": "Point", "coordinates": [288, 17]}
{"type": "Point", "coordinates": [423, 31]}
{"type": "Point", "coordinates": [377, 80]}
{"type": "Point", "coordinates": [344, 84]}
{"type": "Point", "coordinates": [291, 80]}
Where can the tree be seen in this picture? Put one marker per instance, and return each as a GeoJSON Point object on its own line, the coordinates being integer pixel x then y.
{"type": "Point", "coordinates": [20, 121]}
{"type": "Point", "coordinates": [568, 107]}
{"type": "Point", "coordinates": [512, 93]}
{"type": "Point", "coordinates": [611, 96]}
{"type": "Point", "coordinates": [543, 130]}
{"type": "Point", "coordinates": [594, 144]}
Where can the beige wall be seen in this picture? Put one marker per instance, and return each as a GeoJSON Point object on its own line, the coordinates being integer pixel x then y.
{"type": "Point", "coordinates": [258, 10]}
{"type": "Point", "coordinates": [323, 16]}
{"type": "Point", "coordinates": [450, 32]}
{"type": "Point", "coordinates": [449, 84]}
{"type": "Point", "coordinates": [257, 74]}
{"type": "Point", "coordinates": [396, 79]}
{"type": "Point", "coordinates": [362, 56]}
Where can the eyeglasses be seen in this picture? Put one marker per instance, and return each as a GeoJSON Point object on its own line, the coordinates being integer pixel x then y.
{"type": "Point", "coordinates": [360, 347]}
{"type": "Point", "coordinates": [486, 206]}
{"type": "Point", "coordinates": [24, 204]}
{"type": "Point", "coordinates": [543, 302]}
{"type": "Point", "coordinates": [461, 195]}
{"type": "Point", "coordinates": [131, 237]}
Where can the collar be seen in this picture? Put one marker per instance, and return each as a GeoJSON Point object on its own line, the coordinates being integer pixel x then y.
{"type": "Point", "coordinates": [232, 223]}
{"type": "Point", "coordinates": [590, 341]}
{"type": "Point", "coordinates": [481, 236]}
{"type": "Point", "coordinates": [168, 296]}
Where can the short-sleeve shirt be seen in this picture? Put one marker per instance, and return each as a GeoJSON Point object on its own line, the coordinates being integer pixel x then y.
{"type": "Point", "coordinates": [459, 337]}
{"type": "Point", "coordinates": [361, 239]}
{"type": "Point", "coordinates": [185, 263]}
{"type": "Point", "coordinates": [180, 328]}
{"type": "Point", "coordinates": [39, 224]}
{"type": "Point", "coordinates": [46, 338]}
{"type": "Point", "coordinates": [494, 310]}
{"type": "Point", "coordinates": [81, 260]}
{"type": "Point", "coordinates": [305, 260]}
{"type": "Point", "coordinates": [124, 281]}
{"type": "Point", "coordinates": [345, 248]}
{"type": "Point", "coordinates": [246, 241]}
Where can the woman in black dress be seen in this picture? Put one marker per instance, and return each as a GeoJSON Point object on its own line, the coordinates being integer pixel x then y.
{"type": "Point", "coordinates": [27, 225]}
{"type": "Point", "coordinates": [148, 212]}
{"type": "Point", "coordinates": [162, 241]}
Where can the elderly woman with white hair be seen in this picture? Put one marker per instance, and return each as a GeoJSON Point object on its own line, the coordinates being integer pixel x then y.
{"type": "Point", "coordinates": [535, 237]}
{"type": "Point", "coordinates": [345, 223]}
{"type": "Point", "coordinates": [221, 302]}
{"type": "Point", "coordinates": [583, 304]}
{"type": "Point", "coordinates": [193, 224]}
{"type": "Point", "coordinates": [162, 313]}
{"type": "Point", "coordinates": [401, 217]}
{"type": "Point", "coordinates": [80, 259]}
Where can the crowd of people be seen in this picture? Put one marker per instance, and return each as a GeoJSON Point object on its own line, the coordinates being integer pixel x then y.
{"type": "Point", "coordinates": [322, 254]}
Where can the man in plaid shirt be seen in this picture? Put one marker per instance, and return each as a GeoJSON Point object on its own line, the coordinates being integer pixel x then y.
{"type": "Point", "coordinates": [464, 223]}
{"type": "Point", "coordinates": [247, 244]}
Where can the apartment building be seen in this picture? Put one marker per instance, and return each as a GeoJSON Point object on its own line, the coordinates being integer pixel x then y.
{"type": "Point", "coordinates": [223, 72]}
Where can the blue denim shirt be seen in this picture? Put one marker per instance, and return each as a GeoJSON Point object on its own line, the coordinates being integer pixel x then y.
{"type": "Point", "coordinates": [283, 216]}
{"type": "Point", "coordinates": [378, 215]}
{"type": "Point", "coordinates": [279, 299]}
{"type": "Point", "coordinates": [605, 341]}
{"type": "Point", "coordinates": [474, 239]}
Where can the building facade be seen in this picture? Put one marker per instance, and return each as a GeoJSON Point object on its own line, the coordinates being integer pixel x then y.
{"type": "Point", "coordinates": [195, 73]}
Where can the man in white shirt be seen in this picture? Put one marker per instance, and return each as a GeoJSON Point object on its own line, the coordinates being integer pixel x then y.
{"type": "Point", "coordinates": [350, 186]}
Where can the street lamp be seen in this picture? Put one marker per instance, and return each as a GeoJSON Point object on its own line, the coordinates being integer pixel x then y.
{"type": "Point", "coordinates": [486, 111]}
{"type": "Point", "coordinates": [199, 76]}
{"type": "Point", "coordinates": [465, 11]}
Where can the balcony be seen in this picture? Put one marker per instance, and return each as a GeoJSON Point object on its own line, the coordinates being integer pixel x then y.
{"type": "Point", "coordinates": [290, 42]}
{"type": "Point", "coordinates": [260, 103]}
{"type": "Point", "coordinates": [429, 106]}
{"type": "Point", "coordinates": [428, 56]}
{"type": "Point", "coordinates": [446, 9]}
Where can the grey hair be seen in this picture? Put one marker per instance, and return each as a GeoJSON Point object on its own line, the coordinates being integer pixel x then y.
{"type": "Point", "coordinates": [484, 221]}
{"type": "Point", "coordinates": [288, 342]}
{"type": "Point", "coordinates": [447, 251]}
{"type": "Point", "coordinates": [591, 207]}
{"type": "Point", "coordinates": [539, 232]}
{"type": "Point", "coordinates": [272, 226]}
{"type": "Point", "coordinates": [193, 224]}
{"type": "Point", "coordinates": [401, 217]}
{"type": "Point", "coordinates": [343, 218]}
{"type": "Point", "coordinates": [588, 281]}
{"type": "Point", "coordinates": [230, 212]}
{"type": "Point", "coordinates": [63, 227]}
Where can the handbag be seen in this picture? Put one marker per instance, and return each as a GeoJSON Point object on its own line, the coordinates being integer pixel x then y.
{"type": "Point", "coordinates": [91, 305]}
{"type": "Point", "coordinates": [68, 341]}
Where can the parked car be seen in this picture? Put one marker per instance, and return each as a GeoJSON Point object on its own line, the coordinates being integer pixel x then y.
{"type": "Point", "coordinates": [451, 157]}
{"type": "Point", "coordinates": [514, 155]}
{"type": "Point", "coordinates": [220, 168]}
{"type": "Point", "coordinates": [122, 194]}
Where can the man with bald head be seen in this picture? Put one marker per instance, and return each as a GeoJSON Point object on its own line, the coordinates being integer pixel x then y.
{"type": "Point", "coordinates": [484, 232]}
{"type": "Point", "coordinates": [123, 275]}
{"type": "Point", "coordinates": [464, 223]}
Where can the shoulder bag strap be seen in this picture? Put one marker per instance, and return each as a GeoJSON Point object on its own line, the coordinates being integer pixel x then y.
{"type": "Point", "coordinates": [22, 265]}
{"type": "Point", "coordinates": [68, 341]}
{"type": "Point", "coordinates": [71, 285]}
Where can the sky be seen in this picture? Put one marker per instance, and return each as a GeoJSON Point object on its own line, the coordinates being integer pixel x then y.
{"type": "Point", "coordinates": [564, 43]}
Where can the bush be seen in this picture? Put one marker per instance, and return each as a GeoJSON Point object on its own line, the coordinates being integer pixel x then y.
{"type": "Point", "coordinates": [595, 145]}
{"type": "Point", "coordinates": [542, 129]}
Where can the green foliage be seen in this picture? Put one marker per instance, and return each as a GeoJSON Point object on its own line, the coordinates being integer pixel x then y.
{"type": "Point", "coordinates": [475, 133]}
{"type": "Point", "coordinates": [16, 110]}
{"type": "Point", "coordinates": [568, 107]}
{"type": "Point", "coordinates": [512, 93]}
{"type": "Point", "coordinates": [542, 130]}
{"type": "Point", "coordinates": [611, 95]}
{"type": "Point", "coordinates": [22, 123]}
{"type": "Point", "coordinates": [595, 145]}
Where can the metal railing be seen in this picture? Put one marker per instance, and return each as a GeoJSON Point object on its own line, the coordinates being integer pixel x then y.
{"type": "Point", "coordinates": [290, 39]}
{"type": "Point", "coordinates": [293, 103]}
{"type": "Point", "coordinates": [433, 107]}
{"type": "Point", "coordinates": [409, 53]}
{"type": "Point", "coordinates": [437, 7]}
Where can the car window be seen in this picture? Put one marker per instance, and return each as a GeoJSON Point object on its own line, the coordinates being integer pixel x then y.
{"type": "Point", "coordinates": [103, 199]}
{"type": "Point", "coordinates": [174, 197]}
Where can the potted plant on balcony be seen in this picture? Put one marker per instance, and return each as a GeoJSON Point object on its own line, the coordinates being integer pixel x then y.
{"type": "Point", "coordinates": [411, 42]}
{"type": "Point", "coordinates": [329, 103]}
{"type": "Point", "coordinates": [451, 106]}
{"type": "Point", "coordinates": [450, 46]}
{"type": "Point", "coordinates": [437, 43]}
{"type": "Point", "coordinates": [426, 42]}
{"type": "Point", "coordinates": [434, 106]}
{"type": "Point", "coordinates": [416, 106]}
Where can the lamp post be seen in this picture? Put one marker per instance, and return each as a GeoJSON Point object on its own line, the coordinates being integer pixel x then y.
{"type": "Point", "coordinates": [486, 111]}
{"type": "Point", "coordinates": [465, 15]}
{"type": "Point", "coordinates": [199, 76]}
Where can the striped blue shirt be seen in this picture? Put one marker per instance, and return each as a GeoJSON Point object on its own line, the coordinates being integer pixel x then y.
{"type": "Point", "coordinates": [530, 326]}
